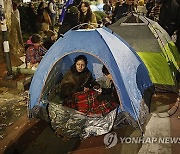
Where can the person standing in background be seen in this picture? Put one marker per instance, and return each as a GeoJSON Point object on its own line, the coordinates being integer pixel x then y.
{"type": "Point", "coordinates": [149, 5]}
{"type": "Point", "coordinates": [120, 10]}
{"type": "Point", "coordinates": [16, 11]}
{"type": "Point", "coordinates": [43, 18]}
{"type": "Point", "coordinates": [107, 7]}
{"type": "Point", "coordinates": [155, 11]}
{"type": "Point", "coordinates": [169, 18]}
{"type": "Point", "coordinates": [31, 18]}
{"type": "Point", "coordinates": [52, 13]}
{"type": "Point", "coordinates": [17, 21]}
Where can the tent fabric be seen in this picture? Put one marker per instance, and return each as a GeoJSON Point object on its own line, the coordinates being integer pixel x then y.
{"type": "Point", "coordinates": [101, 46]}
{"type": "Point", "coordinates": [142, 42]}
{"type": "Point", "coordinates": [155, 62]}
{"type": "Point", "coordinates": [148, 38]}
{"type": "Point", "coordinates": [172, 50]}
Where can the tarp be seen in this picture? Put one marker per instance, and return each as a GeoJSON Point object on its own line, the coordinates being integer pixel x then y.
{"type": "Point", "coordinates": [101, 47]}
{"type": "Point", "coordinates": [153, 44]}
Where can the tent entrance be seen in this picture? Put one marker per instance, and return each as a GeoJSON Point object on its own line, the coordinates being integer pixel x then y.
{"type": "Point", "coordinates": [62, 66]}
{"type": "Point", "coordinates": [58, 113]}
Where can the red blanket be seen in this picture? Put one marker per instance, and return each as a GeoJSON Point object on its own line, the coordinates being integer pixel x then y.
{"type": "Point", "coordinates": [87, 103]}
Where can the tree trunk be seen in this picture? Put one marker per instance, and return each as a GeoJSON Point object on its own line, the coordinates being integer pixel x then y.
{"type": "Point", "coordinates": [14, 36]}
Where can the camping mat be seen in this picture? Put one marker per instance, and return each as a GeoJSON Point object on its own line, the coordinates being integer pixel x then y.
{"type": "Point", "coordinates": [71, 123]}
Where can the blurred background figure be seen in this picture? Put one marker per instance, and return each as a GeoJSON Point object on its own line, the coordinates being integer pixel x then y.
{"type": "Point", "coordinates": [107, 8]}
{"type": "Point", "coordinates": [50, 39]}
{"type": "Point", "coordinates": [16, 11]}
{"type": "Point", "coordinates": [16, 16]}
{"type": "Point", "coordinates": [52, 13]}
{"type": "Point", "coordinates": [71, 19]}
{"type": "Point", "coordinates": [155, 11]}
{"type": "Point", "coordinates": [169, 18]}
{"type": "Point", "coordinates": [31, 17]}
{"type": "Point", "coordinates": [141, 8]}
{"type": "Point", "coordinates": [40, 18]}
{"type": "Point", "coordinates": [43, 20]}
{"type": "Point", "coordinates": [34, 51]}
{"type": "Point", "coordinates": [149, 5]}
{"type": "Point", "coordinates": [87, 16]}
{"type": "Point", "coordinates": [120, 10]}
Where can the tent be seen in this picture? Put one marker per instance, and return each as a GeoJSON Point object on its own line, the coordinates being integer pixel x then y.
{"type": "Point", "coordinates": [153, 45]}
{"type": "Point", "coordinates": [101, 47]}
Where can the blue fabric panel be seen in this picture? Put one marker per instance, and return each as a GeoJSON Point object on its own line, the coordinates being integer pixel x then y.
{"type": "Point", "coordinates": [128, 64]}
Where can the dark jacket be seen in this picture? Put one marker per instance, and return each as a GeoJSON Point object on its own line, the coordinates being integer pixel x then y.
{"type": "Point", "coordinates": [119, 11]}
{"type": "Point", "coordinates": [74, 81]}
{"type": "Point", "coordinates": [169, 17]}
{"type": "Point", "coordinates": [70, 19]}
{"type": "Point", "coordinates": [149, 5]}
{"type": "Point", "coordinates": [48, 43]}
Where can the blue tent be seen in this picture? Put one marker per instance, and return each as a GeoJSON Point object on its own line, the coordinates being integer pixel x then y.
{"type": "Point", "coordinates": [102, 47]}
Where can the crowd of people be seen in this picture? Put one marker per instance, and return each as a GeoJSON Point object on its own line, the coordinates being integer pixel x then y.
{"type": "Point", "coordinates": [165, 12]}
{"type": "Point", "coordinates": [44, 19]}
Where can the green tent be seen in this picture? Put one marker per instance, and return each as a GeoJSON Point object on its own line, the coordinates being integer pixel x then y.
{"type": "Point", "coordinates": [154, 46]}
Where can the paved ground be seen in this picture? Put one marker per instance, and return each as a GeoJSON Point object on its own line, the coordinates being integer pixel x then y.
{"type": "Point", "coordinates": [35, 136]}
{"type": "Point", "coordinates": [13, 104]}
{"type": "Point", "coordinates": [20, 135]}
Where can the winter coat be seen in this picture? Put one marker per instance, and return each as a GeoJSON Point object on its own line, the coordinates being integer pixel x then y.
{"type": "Point", "coordinates": [48, 43]}
{"type": "Point", "coordinates": [92, 21]}
{"type": "Point", "coordinates": [74, 81]}
{"type": "Point", "coordinates": [169, 17]}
